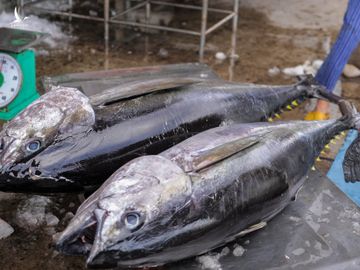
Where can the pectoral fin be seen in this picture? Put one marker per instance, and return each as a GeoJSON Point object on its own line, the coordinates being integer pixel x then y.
{"type": "Point", "coordinates": [211, 156]}
{"type": "Point", "coordinates": [252, 228]}
{"type": "Point", "coordinates": [209, 148]}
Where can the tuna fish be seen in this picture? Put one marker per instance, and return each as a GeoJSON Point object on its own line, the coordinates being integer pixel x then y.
{"type": "Point", "coordinates": [65, 110]}
{"type": "Point", "coordinates": [149, 125]}
{"type": "Point", "coordinates": [198, 195]}
{"type": "Point", "coordinates": [60, 111]}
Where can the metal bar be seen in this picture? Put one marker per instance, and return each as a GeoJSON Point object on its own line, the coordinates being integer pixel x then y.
{"type": "Point", "coordinates": [154, 2]}
{"type": "Point", "coordinates": [186, 6]}
{"type": "Point", "coordinates": [106, 32]}
{"type": "Point", "coordinates": [204, 13]}
{"type": "Point", "coordinates": [129, 10]}
{"type": "Point", "coordinates": [147, 20]}
{"type": "Point", "coordinates": [158, 27]}
{"type": "Point", "coordinates": [106, 56]}
{"type": "Point", "coordinates": [21, 11]}
{"type": "Point", "coordinates": [30, 3]}
{"type": "Point", "coordinates": [234, 28]}
{"type": "Point", "coordinates": [147, 13]}
{"type": "Point", "coordinates": [127, 4]}
{"type": "Point", "coordinates": [106, 19]}
{"type": "Point", "coordinates": [202, 34]}
{"type": "Point", "coordinates": [85, 17]}
{"type": "Point", "coordinates": [61, 13]}
{"type": "Point", "coordinates": [70, 4]}
{"type": "Point", "coordinates": [219, 23]}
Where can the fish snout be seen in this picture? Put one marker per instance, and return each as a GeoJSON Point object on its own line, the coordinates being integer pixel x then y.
{"type": "Point", "coordinates": [77, 246]}
{"type": "Point", "coordinates": [79, 235]}
{"type": "Point", "coordinates": [98, 245]}
{"type": "Point", "coordinates": [9, 152]}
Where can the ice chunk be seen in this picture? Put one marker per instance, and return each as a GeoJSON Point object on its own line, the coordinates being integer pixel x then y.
{"type": "Point", "coordinates": [51, 220]}
{"type": "Point", "coordinates": [351, 71]}
{"type": "Point", "coordinates": [298, 251]}
{"type": "Point", "coordinates": [5, 229]}
{"type": "Point", "coordinates": [238, 250]}
{"type": "Point", "coordinates": [57, 37]}
{"type": "Point", "coordinates": [210, 262]}
{"type": "Point", "coordinates": [31, 213]}
{"type": "Point", "coordinates": [294, 71]}
{"type": "Point", "coordinates": [220, 56]}
{"type": "Point", "coordinates": [274, 71]}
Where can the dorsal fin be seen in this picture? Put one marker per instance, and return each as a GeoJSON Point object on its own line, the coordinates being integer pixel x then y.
{"type": "Point", "coordinates": [139, 88]}
{"type": "Point", "coordinates": [130, 82]}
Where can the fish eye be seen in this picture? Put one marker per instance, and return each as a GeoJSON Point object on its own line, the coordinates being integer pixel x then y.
{"type": "Point", "coordinates": [132, 221]}
{"type": "Point", "coordinates": [33, 146]}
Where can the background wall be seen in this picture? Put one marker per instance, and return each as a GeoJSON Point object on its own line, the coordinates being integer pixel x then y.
{"type": "Point", "coordinates": [298, 13]}
{"type": "Point", "coordinates": [285, 13]}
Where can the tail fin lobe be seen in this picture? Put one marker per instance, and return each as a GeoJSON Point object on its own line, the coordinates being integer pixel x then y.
{"type": "Point", "coordinates": [351, 163]}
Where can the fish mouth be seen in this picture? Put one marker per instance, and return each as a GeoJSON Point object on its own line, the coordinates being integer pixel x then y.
{"type": "Point", "coordinates": [78, 238]}
{"type": "Point", "coordinates": [95, 257]}
{"type": "Point", "coordinates": [83, 238]}
{"type": "Point", "coordinates": [28, 177]}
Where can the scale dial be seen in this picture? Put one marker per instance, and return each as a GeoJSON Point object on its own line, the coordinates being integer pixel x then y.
{"type": "Point", "coordinates": [10, 79]}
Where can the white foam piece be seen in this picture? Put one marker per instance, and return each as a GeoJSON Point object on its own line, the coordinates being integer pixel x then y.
{"type": "Point", "coordinates": [5, 229]}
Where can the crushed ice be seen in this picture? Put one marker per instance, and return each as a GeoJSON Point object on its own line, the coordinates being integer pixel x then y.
{"type": "Point", "coordinates": [57, 38]}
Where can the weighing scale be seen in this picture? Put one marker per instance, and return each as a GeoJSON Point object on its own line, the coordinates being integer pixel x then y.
{"type": "Point", "coordinates": [17, 70]}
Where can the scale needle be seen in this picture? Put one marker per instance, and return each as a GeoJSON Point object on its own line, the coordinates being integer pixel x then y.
{"type": "Point", "coordinates": [1, 64]}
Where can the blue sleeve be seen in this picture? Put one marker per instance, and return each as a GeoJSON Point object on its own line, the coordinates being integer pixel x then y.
{"type": "Point", "coordinates": [347, 40]}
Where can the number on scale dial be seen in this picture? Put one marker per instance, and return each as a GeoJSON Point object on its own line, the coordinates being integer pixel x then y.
{"type": "Point", "coordinates": [10, 79]}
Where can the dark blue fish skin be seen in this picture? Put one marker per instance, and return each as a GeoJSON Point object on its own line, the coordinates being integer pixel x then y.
{"type": "Point", "coordinates": [227, 192]}
{"type": "Point", "coordinates": [151, 124]}
{"type": "Point", "coordinates": [259, 193]}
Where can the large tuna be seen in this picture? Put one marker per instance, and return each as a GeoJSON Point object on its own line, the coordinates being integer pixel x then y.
{"type": "Point", "coordinates": [198, 195]}
{"type": "Point", "coordinates": [65, 110]}
{"type": "Point", "coordinates": [149, 124]}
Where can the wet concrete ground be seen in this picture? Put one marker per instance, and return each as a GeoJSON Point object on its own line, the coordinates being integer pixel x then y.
{"type": "Point", "coordinates": [260, 47]}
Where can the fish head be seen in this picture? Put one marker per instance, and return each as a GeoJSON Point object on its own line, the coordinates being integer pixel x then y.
{"type": "Point", "coordinates": [125, 218]}
{"type": "Point", "coordinates": [60, 111]}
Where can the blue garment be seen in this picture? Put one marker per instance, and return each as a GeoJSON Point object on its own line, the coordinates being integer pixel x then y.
{"type": "Point", "coordinates": [347, 40]}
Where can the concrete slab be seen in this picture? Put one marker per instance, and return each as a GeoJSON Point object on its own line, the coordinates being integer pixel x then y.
{"type": "Point", "coordinates": [301, 14]}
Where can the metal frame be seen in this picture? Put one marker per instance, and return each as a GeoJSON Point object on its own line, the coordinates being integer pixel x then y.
{"type": "Point", "coordinates": [107, 19]}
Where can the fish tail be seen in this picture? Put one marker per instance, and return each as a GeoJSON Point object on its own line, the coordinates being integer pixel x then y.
{"type": "Point", "coordinates": [351, 163]}
{"type": "Point", "coordinates": [314, 89]}
{"type": "Point", "coordinates": [311, 87]}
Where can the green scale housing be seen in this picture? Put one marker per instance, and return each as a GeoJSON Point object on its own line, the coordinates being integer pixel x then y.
{"type": "Point", "coordinates": [27, 92]}
{"type": "Point", "coordinates": [20, 60]}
